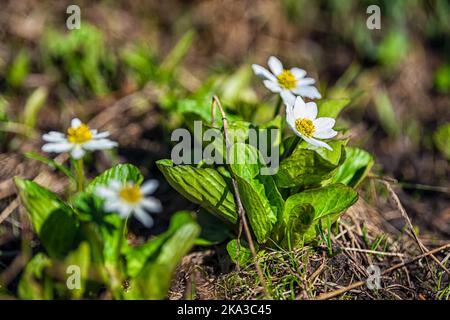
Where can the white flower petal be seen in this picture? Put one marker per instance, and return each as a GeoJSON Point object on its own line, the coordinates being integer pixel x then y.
{"type": "Point", "coordinates": [305, 82]}
{"type": "Point", "coordinates": [311, 110]}
{"type": "Point", "coordinates": [57, 147]}
{"type": "Point", "coordinates": [298, 73]}
{"type": "Point", "coordinates": [100, 135]}
{"type": "Point", "coordinates": [75, 123]}
{"type": "Point", "coordinates": [54, 136]}
{"type": "Point", "coordinates": [317, 143]}
{"type": "Point", "coordinates": [272, 86]}
{"type": "Point", "coordinates": [263, 72]}
{"type": "Point", "coordinates": [148, 187]}
{"type": "Point", "coordinates": [143, 217]}
{"type": "Point", "coordinates": [100, 144]}
{"type": "Point", "coordinates": [77, 152]}
{"type": "Point", "coordinates": [275, 65]}
{"type": "Point", "coordinates": [288, 99]}
{"type": "Point", "coordinates": [299, 109]}
{"type": "Point", "coordinates": [325, 134]}
{"type": "Point", "coordinates": [115, 185]}
{"type": "Point", "coordinates": [308, 92]}
{"type": "Point", "coordinates": [324, 123]}
{"type": "Point", "coordinates": [104, 192]}
{"type": "Point", "coordinates": [151, 204]}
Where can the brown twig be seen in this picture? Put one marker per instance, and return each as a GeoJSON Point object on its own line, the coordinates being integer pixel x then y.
{"type": "Point", "coordinates": [240, 207]}
{"type": "Point", "coordinates": [399, 205]}
{"type": "Point", "coordinates": [332, 294]}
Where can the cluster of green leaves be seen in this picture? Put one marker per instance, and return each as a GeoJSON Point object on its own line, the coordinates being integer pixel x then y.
{"type": "Point", "coordinates": [311, 189]}
{"type": "Point", "coordinates": [79, 233]}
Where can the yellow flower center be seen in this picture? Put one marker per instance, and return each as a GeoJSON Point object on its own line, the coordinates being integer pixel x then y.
{"type": "Point", "coordinates": [131, 194]}
{"type": "Point", "coordinates": [287, 80]}
{"type": "Point", "coordinates": [79, 135]}
{"type": "Point", "coordinates": [305, 127]}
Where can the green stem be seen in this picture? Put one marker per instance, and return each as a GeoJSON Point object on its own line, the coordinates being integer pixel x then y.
{"type": "Point", "coordinates": [79, 173]}
{"type": "Point", "coordinates": [278, 106]}
{"type": "Point", "coordinates": [116, 270]}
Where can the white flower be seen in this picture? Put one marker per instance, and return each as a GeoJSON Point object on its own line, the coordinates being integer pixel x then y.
{"type": "Point", "coordinates": [79, 139]}
{"type": "Point", "coordinates": [291, 82]}
{"type": "Point", "coordinates": [302, 119]}
{"type": "Point", "coordinates": [129, 198]}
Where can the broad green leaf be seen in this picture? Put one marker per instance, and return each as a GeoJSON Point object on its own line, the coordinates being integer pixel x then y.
{"type": "Point", "coordinates": [259, 195]}
{"type": "Point", "coordinates": [214, 230]}
{"type": "Point", "coordinates": [121, 172]}
{"type": "Point", "coordinates": [309, 165]}
{"type": "Point", "coordinates": [328, 203]}
{"type": "Point", "coordinates": [442, 139]}
{"type": "Point", "coordinates": [136, 257]}
{"type": "Point", "coordinates": [243, 255]}
{"type": "Point", "coordinates": [355, 167]}
{"type": "Point", "coordinates": [58, 232]}
{"type": "Point", "coordinates": [203, 186]}
{"type": "Point", "coordinates": [104, 229]}
{"type": "Point", "coordinates": [31, 284]}
{"type": "Point", "coordinates": [297, 218]}
{"type": "Point", "coordinates": [52, 219]}
{"type": "Point", "coordinates": [327, 200]}
{"type": "Point", "coordinates": [153, 281]}
{"type": "Point", "coordinates": [331, 108]}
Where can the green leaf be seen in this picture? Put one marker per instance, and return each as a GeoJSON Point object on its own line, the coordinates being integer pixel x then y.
{"type": "Point", "coordinates": [297, 218]}
{"type": "Point", "coordinates": [34, 103]}
{"type": "Point", "coordinates": [121, 172]}
{"type": "Point", "coordinates": [259, 195]}
{"type": "Point", "coordinates": [136, 257]}
{"type": "Point", "coordinates": [442, 139]}
{"type": "Point", "coordinates": [386, 114]}
{"type": "Point", "coordinates": [108, 227]}
{"type": "Point", "coordinates": [19, 68]}
{"type": "Point", "coordinates": [176, 55]}
{"type": "Point", "coordinates": [52, 219]}
{"type": "Point", "coordinates": [331, 108]}
{"type": "Point", "coordinates": [214, 230]}
{"type": "Point", "coordinates": [309, 165]}
{"type": "Point", "coordinates": [51, 163]}
{"type": "Point", "coordinates": [242, 256]}
{"type": "Point", "coordinates": [328, 203]}
{"type": "Point", "coordinates": [58, 232]}
{"type": "Point", "coordinates": [153, 281]}
{"type": "Point", "coordinates": [32, 280]}
{"type": "Point", "coordinates": [203, 186]}
{"type": "Point", "coordinates": [356, 166]}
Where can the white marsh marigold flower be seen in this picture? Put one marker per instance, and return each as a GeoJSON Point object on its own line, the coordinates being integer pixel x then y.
{"type": "Point", "coordinates": [129, 198]}
{"type": "Point", "coordinates": [290, 81]}
{"type": "Point", "coordinates": [302, 119]}
{"type": "Point", "coordinates": [79, 139]}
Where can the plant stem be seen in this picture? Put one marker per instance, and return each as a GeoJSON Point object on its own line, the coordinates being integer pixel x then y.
{"type": "Point", "coordinates": [79, 173]}
{"type": "Point", "coordinates": [240, 207]}
{"type": "Point", "coordinates": [278, 107]}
